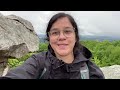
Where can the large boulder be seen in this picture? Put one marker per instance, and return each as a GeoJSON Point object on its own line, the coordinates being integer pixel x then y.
{"type": "Point", "coordinates": [1, 14]}
{"type": "Point", "coordinates": [17, 38]}
{"type": "Point", "coordinates": [111, 72]}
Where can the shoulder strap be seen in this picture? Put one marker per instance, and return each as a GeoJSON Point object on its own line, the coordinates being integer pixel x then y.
{"type": "Point", "coordinates": [42, 69]}
{"type": "Point", "coordinates": [84, 70]}
{"type": "Point", "coordinates": [43, 72]}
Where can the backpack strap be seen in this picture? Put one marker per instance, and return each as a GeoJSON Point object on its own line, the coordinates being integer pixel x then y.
{"type": "Point", "coordinates": [84, 70]}
{"type": "Point", "coordinates": [42, 69]}
{"type": "Point", "coordinates": [43, 72]}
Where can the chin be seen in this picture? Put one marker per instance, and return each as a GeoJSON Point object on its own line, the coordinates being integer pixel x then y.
{"type": "Point", "coordinates": [62, 53]}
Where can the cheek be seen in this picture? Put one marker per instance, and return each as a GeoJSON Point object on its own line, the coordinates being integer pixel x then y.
{"type": "Point", "coordinates": [73, 40]}
{"type": "Point", "coordinates": [73, 43]}
{"type": "Point", "coordinates": [52, 42]}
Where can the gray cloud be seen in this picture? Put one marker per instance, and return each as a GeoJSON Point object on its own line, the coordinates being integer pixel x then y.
{"type": "Point", "coordinates": [89, 22]}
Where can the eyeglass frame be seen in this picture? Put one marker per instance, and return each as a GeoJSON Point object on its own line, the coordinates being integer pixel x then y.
{"type": "Point", "coordinates": [72, 29]}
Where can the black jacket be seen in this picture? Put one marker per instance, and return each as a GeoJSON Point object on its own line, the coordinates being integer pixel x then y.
{"type": "Point", "coordinates": [56, 69]}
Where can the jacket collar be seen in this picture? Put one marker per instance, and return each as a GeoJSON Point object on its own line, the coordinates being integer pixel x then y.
{"type": "Point", "coordinates": [81, 55]}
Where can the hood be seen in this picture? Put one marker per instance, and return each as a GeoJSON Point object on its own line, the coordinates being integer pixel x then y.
{"type": "Point", "coordinates": [86, 52]}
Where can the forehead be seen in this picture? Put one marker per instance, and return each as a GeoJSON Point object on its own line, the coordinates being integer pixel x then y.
{"type": "Point", "coordinates": [62, 23]}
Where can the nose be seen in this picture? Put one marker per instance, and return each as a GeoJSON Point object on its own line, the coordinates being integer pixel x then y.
{"type": "Point", "coordinates": [61, 36]}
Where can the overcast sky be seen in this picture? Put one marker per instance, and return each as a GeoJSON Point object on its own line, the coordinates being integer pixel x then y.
{"type": "Point", "coordinates": [89, 22]}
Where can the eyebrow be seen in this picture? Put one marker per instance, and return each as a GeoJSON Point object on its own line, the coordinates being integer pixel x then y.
{"type": "Point", "coordinates": [54, 29]}
{"type": "Point", "coordinates": [68, 27]}
{"type": "Point", "coordinates": [58, 28]}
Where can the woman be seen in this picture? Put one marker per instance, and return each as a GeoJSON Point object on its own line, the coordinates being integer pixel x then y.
{"type": "Point", "coordinates": [65, 58]}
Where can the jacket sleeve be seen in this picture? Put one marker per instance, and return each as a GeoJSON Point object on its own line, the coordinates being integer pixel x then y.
{"type": "Point", "coordinates": [94, 71]}
{"type": "Point", "coordinates": [31, 69]}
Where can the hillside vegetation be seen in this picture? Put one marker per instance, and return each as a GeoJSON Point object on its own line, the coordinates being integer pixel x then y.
{"type": "Point", "coordinates": [105, 53]}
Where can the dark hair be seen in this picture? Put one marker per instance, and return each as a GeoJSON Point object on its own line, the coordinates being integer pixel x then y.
{"type": "Point", "coordinates": [54, 19]}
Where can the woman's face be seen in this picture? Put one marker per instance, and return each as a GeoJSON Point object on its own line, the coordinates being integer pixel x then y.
{"type": "Point", "coordinates": [62, 37]}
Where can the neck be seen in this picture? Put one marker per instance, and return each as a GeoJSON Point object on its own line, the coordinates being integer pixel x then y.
{"type": "Point", "coordinates": [67, 59]}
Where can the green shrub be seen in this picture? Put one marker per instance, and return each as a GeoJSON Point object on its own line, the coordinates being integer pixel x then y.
{"type": "Point", "coordinates": [25, 57]}
{"type": "Point", "coordinates": [105, 53]}
{"type": "Point", "coordinates": [43, 47]}
{"type": "Point", "coordinates": [17, 62]}
{"type": "Point", "coordinates": [14, 63]}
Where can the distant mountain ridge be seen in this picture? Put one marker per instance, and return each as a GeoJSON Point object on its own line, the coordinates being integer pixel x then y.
{"type": "Point", "coordinates": [99, 38]}
{"type": "Point", "coordinates": [86, 37]}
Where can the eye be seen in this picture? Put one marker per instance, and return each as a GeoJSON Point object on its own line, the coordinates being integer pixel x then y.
{"type": "Point", "coordinates": [55, 33]}
{"type": "Point", "coordinates": [68, 31]}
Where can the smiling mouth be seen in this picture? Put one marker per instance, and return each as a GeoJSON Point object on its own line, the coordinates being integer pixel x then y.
{"type": "Point", "coordinates": [62, 46]}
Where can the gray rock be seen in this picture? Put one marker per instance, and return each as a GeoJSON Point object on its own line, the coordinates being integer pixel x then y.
{"type": "Point", "coordinates": [7, 68]}
{"type": "Point", "coordinates": [27, 24]}
{"type": "Point", "coordinates": [17, 37]}
{"type": "Point", "coordinates": [111, 72]}
{"type": "Point", "coordinates": [3, 63]}
{"type": "Point", "coordinates": [15, 31]}
{"type": "Point", "coordinates": [1, 14]}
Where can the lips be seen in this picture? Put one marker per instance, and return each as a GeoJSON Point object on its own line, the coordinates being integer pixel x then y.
{"type": "Point", "coordinates": [62, 46]}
